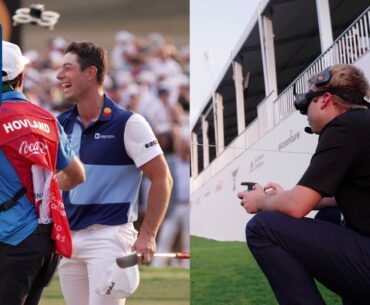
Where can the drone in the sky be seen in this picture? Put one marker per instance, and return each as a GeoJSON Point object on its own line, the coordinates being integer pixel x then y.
{"type": "Point", "coordinates": [36, 14]}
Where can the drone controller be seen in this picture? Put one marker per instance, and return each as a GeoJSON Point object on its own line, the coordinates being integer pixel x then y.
{"type": "Point", "coordinates": [249, 185]}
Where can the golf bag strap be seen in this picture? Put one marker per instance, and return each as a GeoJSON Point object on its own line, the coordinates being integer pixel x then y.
{"type": "Point", "coordinates": [6, 205]}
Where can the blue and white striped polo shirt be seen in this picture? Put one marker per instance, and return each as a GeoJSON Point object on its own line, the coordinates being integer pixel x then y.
{"type": "Point", "coordinates": [111, 149]}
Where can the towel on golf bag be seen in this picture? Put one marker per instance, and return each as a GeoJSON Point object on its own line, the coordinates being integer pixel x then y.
{"type": "Point", "coordinates": [50, 208]}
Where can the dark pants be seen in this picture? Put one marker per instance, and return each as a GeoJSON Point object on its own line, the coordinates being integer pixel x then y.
{"type": "Point", "coordinates": [27, 268]}
{"type": "Point", "coordinates": [330, 214]}
{"type": "Point", "coordinates": [293, 252]}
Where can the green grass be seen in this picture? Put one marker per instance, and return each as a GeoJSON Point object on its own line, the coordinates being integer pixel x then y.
{"type": "Point", "coordinates": [225, 273]}
{"type": "Point", "coordinates": [167, 286]}
{"type": "Point", "coordinates": [222, 273]}
{"type": "Point", "coordinates": [52, 294]}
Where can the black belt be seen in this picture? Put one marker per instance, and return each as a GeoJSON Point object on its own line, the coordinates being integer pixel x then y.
{"type": "Point", "coordinates": [6, 205]}
{"type": "Point", "coordinates": [43, 228]}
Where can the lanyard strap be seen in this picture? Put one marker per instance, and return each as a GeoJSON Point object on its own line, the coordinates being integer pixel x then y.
{"type": "Point", "coordinates": [6, 205]}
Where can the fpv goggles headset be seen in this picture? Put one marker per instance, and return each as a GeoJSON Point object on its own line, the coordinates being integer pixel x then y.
{"type": "Point", "coordinates": [303, 100]}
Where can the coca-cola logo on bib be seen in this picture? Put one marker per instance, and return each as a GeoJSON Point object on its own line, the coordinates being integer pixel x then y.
{"type": "Point", "coordinates": [34, 148]}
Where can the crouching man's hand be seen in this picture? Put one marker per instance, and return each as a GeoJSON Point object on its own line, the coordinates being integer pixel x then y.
{"type": "Point", "coordinates": [251, 200]}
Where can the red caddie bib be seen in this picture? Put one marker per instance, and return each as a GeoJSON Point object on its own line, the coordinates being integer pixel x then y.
{"type": "Point", "coordinates": [29, 136]}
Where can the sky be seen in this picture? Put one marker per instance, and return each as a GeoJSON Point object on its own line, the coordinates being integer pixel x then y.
{"type": "Point", "coordinates": [215, 29]}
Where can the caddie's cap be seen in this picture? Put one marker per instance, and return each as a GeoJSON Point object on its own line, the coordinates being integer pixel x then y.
{"type": "Point", "coordinates": [13, 61]}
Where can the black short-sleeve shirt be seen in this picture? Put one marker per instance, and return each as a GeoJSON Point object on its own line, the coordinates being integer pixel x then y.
{"type": "Point", "coordinates": [340, 166]}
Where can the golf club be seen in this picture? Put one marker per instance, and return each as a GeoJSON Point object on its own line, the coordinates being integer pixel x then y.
{"type": "Point", "coordinates": [132, 259]}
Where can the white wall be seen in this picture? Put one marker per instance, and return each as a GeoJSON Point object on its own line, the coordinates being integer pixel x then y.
{"type": "Point", "coordinates": [215, 209]}
{"type": "Point", "coordinates": [280, 156]}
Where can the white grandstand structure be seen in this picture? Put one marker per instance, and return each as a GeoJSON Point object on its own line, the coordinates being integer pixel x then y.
{"type": "Point", "coordinates": [248, 129]}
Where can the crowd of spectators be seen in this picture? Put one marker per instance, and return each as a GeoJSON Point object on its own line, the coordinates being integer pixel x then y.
{"type": "Point", "coordinates": [146, 75]}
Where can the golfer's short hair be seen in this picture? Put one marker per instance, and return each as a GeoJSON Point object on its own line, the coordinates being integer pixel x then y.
{"type": "Point", "coordinates": [90, 55]}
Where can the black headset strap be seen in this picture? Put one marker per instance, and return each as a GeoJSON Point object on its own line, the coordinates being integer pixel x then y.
{"type": "Point", "coordinates": [347, 94]}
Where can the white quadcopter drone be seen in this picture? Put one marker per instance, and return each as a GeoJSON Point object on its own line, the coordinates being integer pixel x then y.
{"type": "Point", "coordinates": [36, 14]}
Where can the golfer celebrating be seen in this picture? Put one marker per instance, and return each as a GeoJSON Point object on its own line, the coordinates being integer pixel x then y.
{"type": "Point", "coordinates": [116, 147]}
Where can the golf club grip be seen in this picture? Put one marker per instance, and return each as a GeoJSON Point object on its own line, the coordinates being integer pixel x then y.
{"type": "Point", "coordinates": [181, 255]}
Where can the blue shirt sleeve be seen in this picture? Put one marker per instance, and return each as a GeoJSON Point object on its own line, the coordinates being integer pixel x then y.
{"type": "Point", "coordinates": [65, 152]}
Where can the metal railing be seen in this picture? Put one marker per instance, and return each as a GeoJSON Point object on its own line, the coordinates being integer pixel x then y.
{"type": "Point", "coordinates": [236, 147]}
{"type": "Point", "coordinates": [346, 49]}
{"type": "Point", "coordinates": [352, 44]}
{"type": "Point", "coordinates": [265, 113]}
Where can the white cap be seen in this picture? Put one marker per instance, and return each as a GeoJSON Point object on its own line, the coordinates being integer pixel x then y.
{"type": "Point", "coordinates": [156, 39]}
{"type": "Point", "coordinates": [147, 77]}
{"type": "Point", "coordinates": [59, 43]}
{"type": "Point", "coordinates": [124, 36]}
{"type": "Point", "coordinates": [162, 128]}
{"type": "Point", "coordinates": [123, 78]}
{"type": "Point", "coordinates": [118, 282]}
{"type": "Point", "coordinates": [56, 57]}
{"type": "Point", "coordinates": [132, 90]}
{"type": "Point", "coordinates": [13, 61]}
{"type": "Point", "coordinates": [32, 55]}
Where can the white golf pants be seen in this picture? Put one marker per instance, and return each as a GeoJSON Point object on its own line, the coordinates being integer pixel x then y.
{"type": "Point", "coordinates": [94, 250]}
